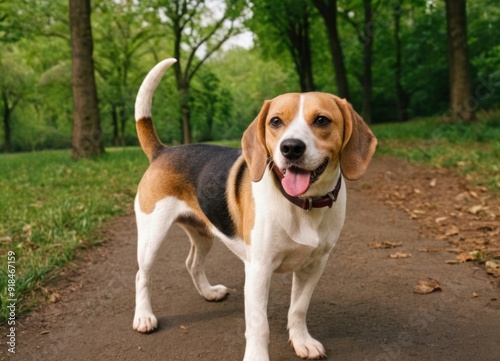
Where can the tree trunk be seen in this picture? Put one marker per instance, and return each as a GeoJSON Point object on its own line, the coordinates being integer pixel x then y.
{"type": "Point", "coordinates": [183, 89]}
{"type": "Point", "coordinates": [298, 34]}
{"type": "Point", "coordinates": [307, 59]}
{"type": "Point", "coordinates": [462, 103]}
{"type": "Point", "coordinates": [6, 123]}
{"type": "Point", "coordinates": [328, 10]}
{"type": "Point", "coordinates": [87, 134]}
{"type": "Point", "coordinates": [114, 124]}
{"type": "Point", "coordinates": [369, 34]}
{"type": "Point", "coordinates": [402, 97]}
{"type": "Point", "coordinates": [185, 112]}
{"type": "Point", "coordinates": [123, 122]}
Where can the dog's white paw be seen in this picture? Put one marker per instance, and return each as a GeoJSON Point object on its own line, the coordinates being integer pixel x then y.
{"type": "Point", "coordinates": [145, 322]}
{"type": "Point", "coordinates": [308, 348]}
{"type": "Point", "coordinates": [216, 293]}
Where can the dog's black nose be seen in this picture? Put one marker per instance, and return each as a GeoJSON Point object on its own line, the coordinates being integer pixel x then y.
{"type": "Point", "coordinates": [292, 148]}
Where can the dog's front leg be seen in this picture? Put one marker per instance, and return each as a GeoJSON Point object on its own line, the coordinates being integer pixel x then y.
{"type": "Point", "coordinates": [257, 283]}
{"type": "Point", "coordinates": [304, 282]}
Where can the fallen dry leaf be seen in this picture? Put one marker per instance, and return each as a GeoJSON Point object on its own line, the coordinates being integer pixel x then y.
{"type": "Point", "coordinates": [440, 219]}
{"type": "Point", "coordinates": [452, 230]}
{"type": "Point", "coordinates": [462, 196]}
{"type": "Point", "coordinates": [427, 286]}
{"type": "Point", "coordinates": [54, 297]}
{"type": "Point", "coordinates": [400, 255]}
{"type": "Point", "coordinates": [451, 261]}
{"type": "Point", "coordinates": [5, 239]}
{"type": "Point", "coordinates": [476, 209]}
{"type": "Point", "coordinates": [465, 257]}
{"type": "Point", "coordinates": [27, 232]}
{"type": "Point", "coordinates": [385, 244]}
{"type": "Point", "coordinates": [475, 294]}
{"type": "Point", "coordinates": [430, 249]}
{"type": "Point", "coordinates": [433, 182]}
{"type": "Point", "coordinates": [473, 194]}
{"type": "Point", "coordinates": [493, 268]}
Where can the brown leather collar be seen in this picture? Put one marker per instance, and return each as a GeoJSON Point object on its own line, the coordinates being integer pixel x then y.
{"type": "Point", "coordinates": [309, 203]}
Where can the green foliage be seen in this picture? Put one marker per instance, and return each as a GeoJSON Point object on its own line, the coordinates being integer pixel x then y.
{"type": "Point", "coordinates": [250, 80]}
{"type": "Point", "coordinates": [472, 149]}
{"type": "Point", "coordinates": [228, 92]}
{"type": "Point", "coordinates": [487, 129]}
{"type": "Point", "coordinates": [54, 205]}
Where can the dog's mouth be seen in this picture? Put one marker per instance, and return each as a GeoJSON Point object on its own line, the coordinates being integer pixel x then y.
{"type": "Point", "coordinates": [296, 181]}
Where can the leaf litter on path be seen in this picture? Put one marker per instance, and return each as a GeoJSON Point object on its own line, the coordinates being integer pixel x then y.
{"type": "Point", "coordinates": [398, 255]}
{"type": "Point", "coordinates": [493, 268]}
{"type": "Point", "coordinates": [385, 244]}
{"type": "Point", "coordinates": [426, 286]}
{"type": "Point", "coordinates": [447, 207]}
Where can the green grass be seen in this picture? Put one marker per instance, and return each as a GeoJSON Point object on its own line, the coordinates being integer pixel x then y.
{"type": "Point", "coordinates": [472, 149]}
{"type": "Point", "coordinates": [51, 206]}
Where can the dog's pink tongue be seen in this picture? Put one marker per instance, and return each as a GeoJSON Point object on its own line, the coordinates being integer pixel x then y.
{"type": "Point", "coordinates": [296, 183]}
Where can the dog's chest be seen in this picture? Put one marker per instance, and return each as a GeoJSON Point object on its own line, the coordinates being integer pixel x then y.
{"type": "Point", "coordinates": [302, 242]}
{"type": "Point", "coordinates": [291, 236]}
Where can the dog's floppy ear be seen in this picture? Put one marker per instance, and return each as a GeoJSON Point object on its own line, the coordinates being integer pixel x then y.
{"type": "Point", "coordinates": [358, 145]}
{"type": "Point", "coordinates": [253, 144]}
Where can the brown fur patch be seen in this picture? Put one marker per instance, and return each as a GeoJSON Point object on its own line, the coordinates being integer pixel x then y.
{"type": "Point", "coordinates": [328, 139]}
{"type": "Point", "coordinates": [359, 143]}
{"type": "Point", "coordinates": [240, 199]}
{"type": "Point", "coordinates": [161, 181]}
{"type": "Point", "coordinates": [148, 137]}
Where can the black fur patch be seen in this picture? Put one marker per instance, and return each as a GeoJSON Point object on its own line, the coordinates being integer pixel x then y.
{"type": "Point", "coordinates": [207, 167]}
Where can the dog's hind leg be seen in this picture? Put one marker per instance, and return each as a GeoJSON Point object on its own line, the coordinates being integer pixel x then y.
{"type": "Point", "coordinates": [195, 263]}
{"type": "Point", "coordinates": [152, 230]}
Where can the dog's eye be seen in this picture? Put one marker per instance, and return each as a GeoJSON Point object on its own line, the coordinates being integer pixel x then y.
{"type": "Point", "coordinates": [275, 122]}
{"type": "Point", "coordinates": [322, 121]}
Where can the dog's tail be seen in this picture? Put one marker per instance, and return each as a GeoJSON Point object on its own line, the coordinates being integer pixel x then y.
{"type": "Point", "coordinates": [146, 132]}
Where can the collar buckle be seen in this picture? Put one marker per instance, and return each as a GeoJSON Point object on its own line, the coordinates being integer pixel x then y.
{"type": "Point", "coordinates": [308, 204]}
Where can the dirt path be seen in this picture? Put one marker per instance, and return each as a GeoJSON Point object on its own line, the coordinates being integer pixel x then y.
{"type": "Point", "coordinates": [364, 307]}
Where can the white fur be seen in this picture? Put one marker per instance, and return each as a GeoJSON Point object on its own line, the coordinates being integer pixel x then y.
{"type": "Point", "coordinates": [144, 97]}
{"type": "Point", "coordinates": [290, 240]}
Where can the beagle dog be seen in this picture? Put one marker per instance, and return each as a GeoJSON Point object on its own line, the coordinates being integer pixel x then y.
{"type": "Point", "coordinates": [278, 203]}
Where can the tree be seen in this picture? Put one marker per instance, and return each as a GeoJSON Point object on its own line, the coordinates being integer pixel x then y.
{"type": "Point", "coordinates": [297, 32]}
{"type": "Point", "coordinates": [14, 84]}
{"type": "Point", "coordinates": [328, 10]}
{"type": "Point", "coordinates": [198, 31]}
{"type": "Point", "coordinates": [285, 25]}
{"type": "Point", "coordinates": [461, 107]}
{"type": "Point", "coordinates": [116, 57]}
{"type": "Point", "coordinates": [402, 97]}
{"type": "Point", "coordinates": [87, 134]}
{"type": "Point", "coordinates": [207, 95]}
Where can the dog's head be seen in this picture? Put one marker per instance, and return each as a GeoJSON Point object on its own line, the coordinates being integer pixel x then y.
{"type": "Point", "coordinates": [306, 136]}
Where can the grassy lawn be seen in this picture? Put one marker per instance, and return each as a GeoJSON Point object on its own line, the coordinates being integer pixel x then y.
{"type": "Point", "coordinates": [51, 206]}
{"type": "Point", "coordinates": [471, 149]}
